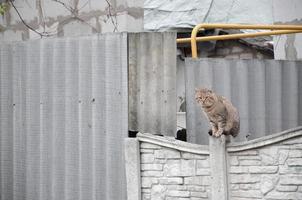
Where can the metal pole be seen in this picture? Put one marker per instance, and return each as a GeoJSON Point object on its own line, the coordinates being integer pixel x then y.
{"type": "Point", "coordinates": [237, 35]}
{"type": "Point", "coordinates": [276, 30]}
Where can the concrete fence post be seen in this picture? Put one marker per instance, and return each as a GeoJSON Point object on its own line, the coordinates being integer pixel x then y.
{"type": "Point", "coordinates": [218, 155]}
{"type": "Point", "coordinates": [132, 160]}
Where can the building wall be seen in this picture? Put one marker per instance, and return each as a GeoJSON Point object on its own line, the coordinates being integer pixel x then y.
{"type": "Point", "coordinates": [262, 169]}
{"type": "Point", "coordinates": [288, 47]}
{"type": "Point", "coordinates": [237, 50]}
{"type": "Point", "coordinates": [70, 18]}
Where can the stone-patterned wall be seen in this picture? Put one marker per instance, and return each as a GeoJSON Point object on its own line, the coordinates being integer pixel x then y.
{"type": "Point", "coordinates": [267, 168]}
{"type": "Point", "coordinates": [271, 172]}
{"type": "Point", "coordinates": [170, 174]}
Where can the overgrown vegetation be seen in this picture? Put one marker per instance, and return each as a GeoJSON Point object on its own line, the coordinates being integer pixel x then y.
{"type": "Point", "coordinates": [4, 7]}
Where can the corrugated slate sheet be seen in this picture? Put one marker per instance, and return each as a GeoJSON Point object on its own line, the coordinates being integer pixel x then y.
{"type": "Point", "coordinates": [63, 117]}
{"type": "Point", "coordinates": [267, 93]}
{"type": "Point", "coordinates": [152, 83]}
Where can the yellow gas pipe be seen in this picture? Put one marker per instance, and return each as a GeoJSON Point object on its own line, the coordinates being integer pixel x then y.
{"type": "Point", "coordinates": [275, 30]}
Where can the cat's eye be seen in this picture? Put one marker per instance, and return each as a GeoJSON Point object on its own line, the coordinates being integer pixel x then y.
{"type": "Point", "coordinates": [209, 100]}
{"type": "Point", "coordinates": [198, 99]}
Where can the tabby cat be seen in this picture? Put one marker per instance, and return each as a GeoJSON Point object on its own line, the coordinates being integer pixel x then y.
{"type": "Point", "coordinates": [222, 115]}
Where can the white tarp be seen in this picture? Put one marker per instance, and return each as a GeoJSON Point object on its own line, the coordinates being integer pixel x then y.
{"type": "Point", "coordinates": [166, 15]}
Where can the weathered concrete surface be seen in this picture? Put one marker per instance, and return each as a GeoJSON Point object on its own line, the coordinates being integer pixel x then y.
{"type": "Point", "coordinates": [152, 82]}
{"type": "Point", "coordinates": [288, 47]}
{"type": "Point", "coordinates": [218, 160]}
{"type": "Point", "coordinates": [132, 160]}
{"type": "Point", "coordinates": [71, 18]}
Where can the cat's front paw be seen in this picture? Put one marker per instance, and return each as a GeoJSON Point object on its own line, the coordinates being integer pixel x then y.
{"type": "Point", "coordinates": [214, 134]}
{"type": "Point", "coordinates": [218, 134]}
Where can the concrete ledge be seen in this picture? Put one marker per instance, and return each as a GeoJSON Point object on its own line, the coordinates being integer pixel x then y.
{"type": "Point", "coordinates": [173, 143]}
{"type": "Point", "coordinates": [264, 141]}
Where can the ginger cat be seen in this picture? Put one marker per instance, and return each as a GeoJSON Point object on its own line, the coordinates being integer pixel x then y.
{"type": "Point", "coordinates": [222, 115]}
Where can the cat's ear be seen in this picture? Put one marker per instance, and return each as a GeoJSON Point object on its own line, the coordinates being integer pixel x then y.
{"type": "Point", "coordinates": [196, 89]}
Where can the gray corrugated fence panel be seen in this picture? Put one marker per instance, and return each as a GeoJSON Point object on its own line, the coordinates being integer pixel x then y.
{"type": "Point", "coordinates": [64, 115]}
{"type": "Point", "coordinates": [267, 94]}
{"type": "Point", "coordinates": [152, 82]}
